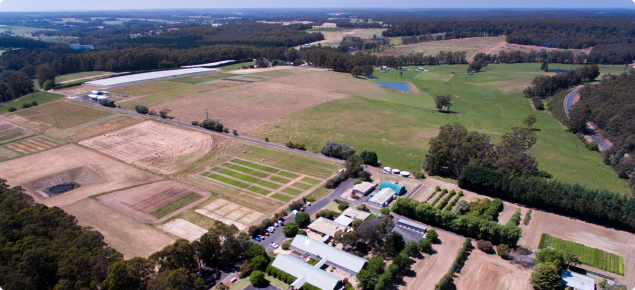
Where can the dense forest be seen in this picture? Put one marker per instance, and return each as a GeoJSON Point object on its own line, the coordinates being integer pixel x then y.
{"type": "Point", "coordinates": [611, 38]}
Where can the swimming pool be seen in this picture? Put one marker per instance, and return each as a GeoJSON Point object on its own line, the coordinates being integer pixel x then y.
{"type": "Point", "coordinates": [399, 86]}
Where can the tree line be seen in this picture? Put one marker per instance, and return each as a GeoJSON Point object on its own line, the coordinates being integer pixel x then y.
{"type": "Point", "coordinates": [544, 86]}
{"type": "Point", "coordinates": [591, 205]}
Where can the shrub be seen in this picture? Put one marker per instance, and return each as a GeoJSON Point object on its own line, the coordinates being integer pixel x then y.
{"type": "Point", "coordinates": [245, 269]}
{"type": "Point", "coordinates": [295, 145]}
{"type": "Point", "coordinates": [502, 250]}
{"type": "Point", "coordinates": [384, 210]}
{"type": "Point", "coordinates": [420, 175]}
{"type": "Point", "coordinates": [34, 103]}
{"type": "Point", "coordinates": [235, 132]}
{"type": "Point", "coordinates": [335, 150]}
{"type": "Point", "coordinates": [12, 109]}
{"type": "Point", "coordinates": [25, 105]}
{"type": "Point", "coordinates": [290, 229]}
{"type": "Point", "coordinates": [164, 113]}
{"type": "Point", "coordinates": [107, 103]}
{"type": "Point", "coordinates": [48, 84]}
{"type": "Point", "coordinates": [362, 207]}
{"type": "Point", "coordinates": [342, 206]}
{"type": "Point", "coordinates": [286, 245]}
{"type": "Point", "coordinates": [432, 235]}
{"type": "Point", "coordinates": [225, 130]}
{"type": "Point", "coordinates": [210, 124]}
{"type": "Point", "coordinates": [451, 205]}
{"type": "Point", "coordinates": [195, 123]}
{"type": "Point", "coordinates": [514, 221]}
{"type": "Point", "coordinates": [335, 181]}
{"type": "Point", "coordinates": [592, 146]}
{"type": "Point", "coordinates": [461, 207]}
{"type": "Point", "coordinates": [266, 139]}
{"type": "Point", "coordinates": [538, 104]}
{"type": "Point", "coordinates": [254, 231]}
{"type": "Point", "coordinates": [257, 278]}
{"type": "Point", "coordinates": [425, 245]}
{"type": "Point", "coordinates": [445, 201]}
{"type": "Point", "coordinates": [141, 109]}
{"type": "Point", "coordinates": [485, 246]}
{"type": "Point", "coordinates": [440, 196]}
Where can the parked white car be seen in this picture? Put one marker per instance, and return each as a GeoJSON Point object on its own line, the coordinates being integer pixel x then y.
{"type": "Point", "coordinates": [274, 245]}
{"type": "Point", "coordinates": [295, 212]}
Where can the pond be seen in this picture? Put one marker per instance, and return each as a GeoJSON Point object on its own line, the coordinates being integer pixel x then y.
{"type": "Point", "coordinates": [398, 86]}
{"type": "Point", "coordinates": [61, 188]}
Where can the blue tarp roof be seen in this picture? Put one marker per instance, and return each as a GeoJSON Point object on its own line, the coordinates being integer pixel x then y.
{"type": "Point", "coordinates": [399, 189]}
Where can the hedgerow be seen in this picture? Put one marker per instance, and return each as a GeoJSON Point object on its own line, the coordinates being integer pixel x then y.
{"type": "Point", "coordinates": [453, 203]}
{"type": "Point", "coordinates": [444, 202]}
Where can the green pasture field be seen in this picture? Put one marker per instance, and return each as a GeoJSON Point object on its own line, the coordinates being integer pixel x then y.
{"type": "Point", "coordinates": [282, 197]}
{"type": "Point", "coordinates": [590, 256]}
{"type": "Point", "coordinates": [248, 171]}
{"type": "Point", "coordinates": [302, 185]}
{"type": "Point", "coordinates": [19, 30]}
{"type": "Point", "coordinates": [269, 184]}
{"type": "Point", "coordinates": [398, 126]}
{"type": "Point", "coordinates": [311, 166]}
{"type": "Point", "coordinates": [228, 180]}
{"type": "Point", "coordinates": [240, 176]}
{"type": "Point", "coordinates": [73, 76]}
{"type": "Point", "coordinates": [310, 180]}
{"type": "Point", "coordinates": [258, 166]}
{"type": "Point", "coordinates": [376, 31]}
{"type": "Point", "coordinates": [292, 191]}
{"type": "Point", "coordinates": [170, 208]}
{"type": "Point", "coordinates": [235, 66]}
{"type": "Point", "coordinates": [279, 179]}
{"type": "Point", "coordinates": [39, 97]}
{"type": "Point", "coordinates": [288, 174]}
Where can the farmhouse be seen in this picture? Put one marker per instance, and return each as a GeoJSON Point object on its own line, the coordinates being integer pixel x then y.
{"type": "Point", "coordinates": [364, 188]}
{"type": "Point", "coordinates": [355, 214]}
{"type": "Point", "coordinates": [328, 255]}
{"type": "Point", "coordinates": [305, 273]}
{"type": "Point", "coordinates": [382, 198]}
{"type": "Point", "coordinates": [399, 189]}
{"type": "Point", "coordinates": [326, 226]}
{"type": "Point", "coordinates": [577, 281]}
{"type": "Point", "coordinates": [411, 226]}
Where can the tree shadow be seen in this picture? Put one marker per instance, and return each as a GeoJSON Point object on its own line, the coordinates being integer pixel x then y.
{"type": "Point", "coordinates": [535, 129]}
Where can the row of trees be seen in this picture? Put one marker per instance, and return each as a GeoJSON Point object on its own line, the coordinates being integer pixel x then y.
{"type": "Point", "coordinates": [543, 86]}
{"type": "Point", "coordinates": [458, 263]}
{"type": "Point", "coordinates": [469, 226]}
{"type": "Point", "coordinates": [455, 148]}
{"type": "Point", "coordinates": [591, 205]}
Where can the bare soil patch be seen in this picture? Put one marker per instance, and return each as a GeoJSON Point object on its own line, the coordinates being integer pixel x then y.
{"type": "Point", "coordinates": [472, 46]}
{"type": "Point", "coordinates": [489, 272]}
{"type": "Point", "coordinates": [140, 201]}
{"type": "Point", "coordinates": [184, 229]}
{"type": "Point", "coordinates": [125, 234]}
{"type": "Point", "coordinates": [508, 211]}
{"type": "Point", "coordinates": [157, 147]}
{"type": "Point", "coordinates": [508, 47]}
{"type": "Point", "coordinates": [95, 172]}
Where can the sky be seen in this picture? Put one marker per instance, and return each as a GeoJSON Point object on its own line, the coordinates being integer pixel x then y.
{"type": "Point", "coordinates": [75, 5]}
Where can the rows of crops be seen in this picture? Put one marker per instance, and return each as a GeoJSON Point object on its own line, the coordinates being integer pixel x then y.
{"type": "Point", "coordinates": [589, 256]}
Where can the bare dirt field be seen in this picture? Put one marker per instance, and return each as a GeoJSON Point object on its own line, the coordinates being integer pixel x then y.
{"type": "Point", "coordinates": [333, 38]}
{"type": "Point", "coordinates": [140, 201]}
{"type": "Point", "coordinates": [125, 234]}
{"type": "Point", "coordinates": [471, 45]}
{"type": "Point", "coordinates": [184, 229]}
{"type": "Point", "coordinates": [508, 211]}
{"type": "Point", "coordinates": [248, 106]}
{"type": "Point", "coordinates": [431, 268]}
{"type": "Point", "coordinates": [96, 173]}
{"type": "Point", "coordinates": [507, 47]}
{"type": "Point", "coordinates": [489, 272]}
{"type": "Point", "coordinates": [160, 148]}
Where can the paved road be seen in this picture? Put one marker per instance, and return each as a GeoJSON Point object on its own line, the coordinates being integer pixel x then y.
{"type": "Point", "coordinates": [568, 106]}
{"type": "Point", "coordinates": [84, 99]}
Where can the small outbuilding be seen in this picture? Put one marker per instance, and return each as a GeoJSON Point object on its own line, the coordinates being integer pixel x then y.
{"type": "Point", "coordinates": [326, 226]}
{"type": "Point", "coordinates": [355, 214]}
{"type": "Point", "coordinates": [397, 188]}
{"type": "Point", "coordinates": [577, 281]}
{"type": "Point", "coordinates": [411, 226]}
{"type": "Point", "coordinates": [382, 198]}
{"type": "Point", "coordinates": [364, 188]}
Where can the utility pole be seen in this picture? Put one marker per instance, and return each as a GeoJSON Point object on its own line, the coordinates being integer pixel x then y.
{"type": "Point", "coordinates": [207, 114]}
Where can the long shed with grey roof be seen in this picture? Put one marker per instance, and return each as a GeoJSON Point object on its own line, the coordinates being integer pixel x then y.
{"type": "Point", "coordinates": [305, 273]}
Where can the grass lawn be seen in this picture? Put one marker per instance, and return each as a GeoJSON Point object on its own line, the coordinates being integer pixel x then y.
{"type": "Point", "coordinates": [39, 97]}
{"type": "Point", "coordinates": [73, 76]}
{"type": "Point", "coordinates": [279, 179]}
{"type": "Point", "coordinates": [248, 171]}
{"type": "Point", "coordinates": [259, 190]}
{"type": "Point", "coordinates": [301, 185]}
{"type": "Point", "coordinates": [240, 285]}
{"type": "Point", "coordinates": [332, 206]}
{"type": "Point", "coordinates": [228, 181]}
{"type": "Point", "coordinates": [258, 166]}
{"type": "Point", "coordinates": [239, 175]}
{"type": "Point", "coordinates": [170, 208]}
{"type": "Point", "coordinates": [399, 126]}
{"type": "Point", "coordinates": [282, 197]}
{"type": "Point", "coordinates": [292, 191]}
{"type": "Point", "coordinates": [288, 174]}
{"type": "Point", "coordinates": [276, 282]}
{"type": "Point", "coordinates": [310, 180]}
{"type": "Point", "coordinates": [319, 193]}
{"type": "Point", "coordinates": [269, 184]}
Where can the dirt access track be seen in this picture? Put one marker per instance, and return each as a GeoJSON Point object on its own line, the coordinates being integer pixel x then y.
{"type": "Point", "coordinates": [140, 201]}
{"type": "Point", "coordinates": [160, 148]}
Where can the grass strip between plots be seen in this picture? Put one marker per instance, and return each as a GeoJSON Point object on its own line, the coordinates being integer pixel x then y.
{"type": "Point", "coordinates": [269, 184]}
{"type": "Point", "coordinates": [260, 190]}
{"type": "Point", "coordinates": [292, 191]}
{"type": "Point", "coordinates": [302, 185]}
{"type": "Point", "coordinates": [281, 197]}
{"type": "Point", "coordinates": [172, 207]}
{"type": "Point", "coordinates": [279, 179]}
{"type": "Point", "coordinates": [239, 175]}
{"type": "Point", "coordinates": [258, 166]}
{"type": "Point", "coordinates": [248, 171]}
{"type": "Point", "coordinates": [228, 181]}
{"type": "Point", "coordinates": [590, 256]}
{"type": "Point", "coordinates": [310, 180]}
{"type": "Point", "coordinates": [288, 174]}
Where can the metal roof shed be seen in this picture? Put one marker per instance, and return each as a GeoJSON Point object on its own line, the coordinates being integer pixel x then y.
{"type": "Point", "coordinates": [335, 257]}
{"type": "Point", "coordinates": [364, 188]}
{"type": "Point", "coordinates": [326, 226]}
{"type": "Point", "coordinates": [399, 189]}
{"type": "Point", "coordinates": [305, 273]}
{"type": "Point", "coordinates": [382, 198]}
{"type": "Point", "coordinates": [577, 281]}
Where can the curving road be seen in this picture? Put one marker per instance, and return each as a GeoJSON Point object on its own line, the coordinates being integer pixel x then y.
{"type": "Point", "coordinates": [569, 101]}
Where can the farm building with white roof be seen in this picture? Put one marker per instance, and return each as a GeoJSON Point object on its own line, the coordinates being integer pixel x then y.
{"type": "Point", "coordinates": [305, 273]}
{"type": "Point", "coordinates": [328, 255]}
{"type": "Point", "coordinates": [326, 226]}
{"type": "Point", "coordinates": [364, 188]}
{"type": "Point", "coordinates": [382, 198]}
{"type": "Point", "coordinates": [141, 78]}
{"type": "Point", "coordinates": [577, 281]}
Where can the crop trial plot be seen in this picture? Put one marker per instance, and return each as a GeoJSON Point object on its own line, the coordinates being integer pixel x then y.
{"type": "Point", "coordinates": [184, 229]}
{"type": "Point", "coordinates": [230, 213]}
{"type": "Point", "coordinates": [158, 147]}
{"type": "Point", "coordinates": [155, 202]}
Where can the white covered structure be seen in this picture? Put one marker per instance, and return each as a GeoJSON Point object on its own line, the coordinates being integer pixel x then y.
{"type": "Point", "coordinates": [330, 256]}
{"type": "Point", "coordinates": [149, 77]}
{"type": "Point", "coordinates": [305, 273]}
{"type": "Point", "coordinates": [211, 64]}
{"type": "Point", "coordinates": [382, 198]}
{"type": "Point", "coordinates": [364, 188]}
{"type": "Point", "coordinates": [405, 174]}
{"type": "Point", "coordinates": [577, 281]}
